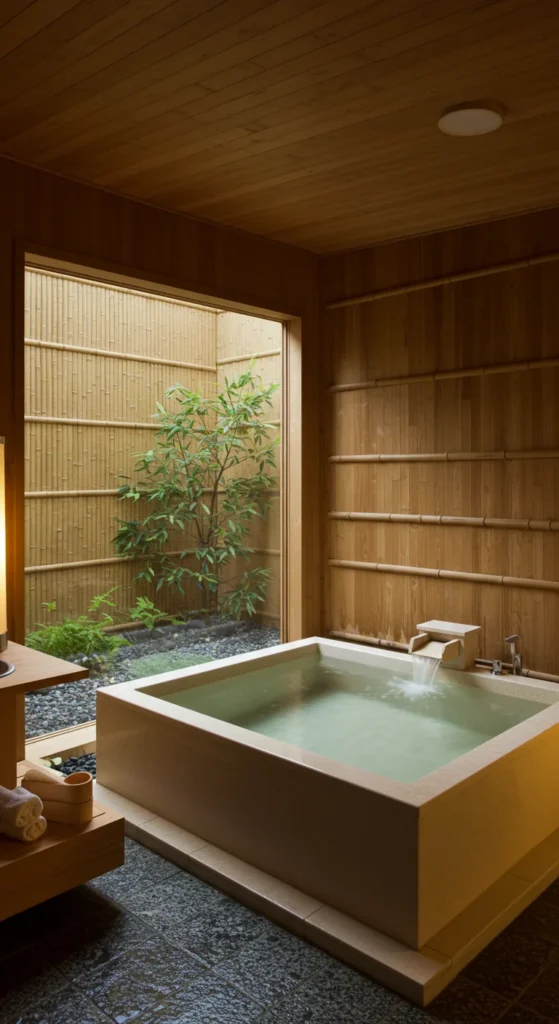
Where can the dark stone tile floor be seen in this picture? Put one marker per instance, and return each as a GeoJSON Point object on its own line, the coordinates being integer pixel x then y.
{"type": "Point", "coordinates": [152, 944]}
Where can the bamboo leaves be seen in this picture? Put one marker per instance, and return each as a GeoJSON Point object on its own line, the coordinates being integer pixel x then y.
{"type": "Point", "coordinates": [202, 485]}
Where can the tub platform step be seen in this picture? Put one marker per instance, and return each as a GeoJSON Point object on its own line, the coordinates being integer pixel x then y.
{"type": "Point", "coordinates": [418, 975]}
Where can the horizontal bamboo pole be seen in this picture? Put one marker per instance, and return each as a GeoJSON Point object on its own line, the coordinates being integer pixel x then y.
{"type": "Point", "coordinates": [376, 641]}
{"type": "Point", "coordinates": [544, 453]}
{"type": "Point", "coordinates": [430, 520]}
{"type": "Point", "coordinates": [85, 564]}
{"type": "Point", "coordinates": [249, 357]}
{"type": "Point", "coordinates": [105, 352]}
{"type": "Point", "coordinates": [71, 422]}
{"type": "Point", "coordinates": [71, 494]}
{"type": "Point", "coordinates": [523, 582]}
{"type": "Point", "coordinates": [114, 559]}
{"type": "Point", "coordinates": [439, 282]}
{"type": "Point", "coordinates": [112, 491]}
{"type": "Point", "coordinates": [427, 378]}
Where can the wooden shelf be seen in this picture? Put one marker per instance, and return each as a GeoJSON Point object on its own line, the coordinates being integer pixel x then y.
{"type": "Point", "coordinates": [36, 671]}
{"type": "Point", "coordinates": [66, 856]}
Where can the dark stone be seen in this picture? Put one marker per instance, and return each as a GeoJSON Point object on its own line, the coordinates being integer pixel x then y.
{"type": "Point", "coordinates": [511, 962]}
{"type": "Point", "coordinates": [543, 995]}
{"type": "Point", "coordinates": [140, 978]}
{"type": "Point", "coordinates": [142, 869]}
{"type": "Point", "coordinates": [519, 1015]}
{"type": "Point", "coordinates": [84, 947]}
{"type": "Point", "coordinates": [464, 1002]}
{"type": "Point", "coordinates": [177, 897]}
{"type": "Point", "coordinates": [225, 629]}
{"type": "Point", "coordinates": [337, 995]}
{"type": "Point", "coordinates": [25, 979]}
{"type": "Point", "coordinates": [541, 918]}
{"type": "Point", "coordinates": [195, 916]}
{"type": "Point", "coordinates": [269, 968]}
{"type": "Point", "coordinates": [208, 1000]}
{"type": "Point", "coordinates": [67, 1008]}
{"type": "Point", "coordinates": [85, 763]}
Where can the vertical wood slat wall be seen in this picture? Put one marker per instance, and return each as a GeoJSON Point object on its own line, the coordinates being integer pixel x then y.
{"type": "Point", "coordinates": [503, 318]}
{"type": "Point", "coordinates": [245, 337]}
{"type": "Point", "coordinates": [65, 384]}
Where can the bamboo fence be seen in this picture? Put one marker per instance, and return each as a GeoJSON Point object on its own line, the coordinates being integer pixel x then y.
{"type": "Point", "coordinates": [98, 357]}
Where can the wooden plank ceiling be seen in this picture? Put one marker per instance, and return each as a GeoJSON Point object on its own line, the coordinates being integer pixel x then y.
{"type": "Point", "coordinates": [307, 121]}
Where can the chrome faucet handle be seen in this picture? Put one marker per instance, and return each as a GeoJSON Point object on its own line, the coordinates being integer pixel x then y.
{"type": "Point", "coordinates": [515, 657]}
{"type": "Point", "coordinates": [497, 667]}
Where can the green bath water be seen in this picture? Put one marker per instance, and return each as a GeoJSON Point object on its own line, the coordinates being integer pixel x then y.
{"type": "Point", "coordinates": [379, 719]}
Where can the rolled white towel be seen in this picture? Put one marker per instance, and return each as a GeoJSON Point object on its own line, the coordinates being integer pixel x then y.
{"type": "Point", "coordinates": [29, 833]}
{"type": "Point", "coordinates": [18, 807]}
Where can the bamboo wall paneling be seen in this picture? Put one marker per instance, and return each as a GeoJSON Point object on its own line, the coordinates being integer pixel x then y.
{"type": "Point", "coordinates": [81, 393]}
{"type": "Point", "coordinates": [474, 371]}
{"type": "Point", "coordinates": [447, 279]}
{"type": "Point", "coordinates": [242, 341]}
{"type": "Point", "coordinates": [278, 136]}
{"type": "Point", "coordinates": [443, 436]}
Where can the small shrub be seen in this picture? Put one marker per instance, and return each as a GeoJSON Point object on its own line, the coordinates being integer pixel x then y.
{"type": "Point", "coordinates": [82, 636]}
{"type": "Point", "coordinates": [204, 483]}
{"type": "Point", "coordinates": [145, 612]}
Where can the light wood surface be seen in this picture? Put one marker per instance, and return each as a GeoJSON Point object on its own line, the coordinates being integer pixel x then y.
{"type": "Point", "coordinates": [79, 226]}
{"type": "Point", "coordinates": [440, 449]}
{"type": "Point", "coordinates": [35, 670]}
{"type": "Point", "coordinates": [66, 856]}
{"type": "Point", "coordinates": [243, 341]}
{"type": "Point", "coordinates": [70, 742]}
{"type": "Point", "coordinates": [311, 121]}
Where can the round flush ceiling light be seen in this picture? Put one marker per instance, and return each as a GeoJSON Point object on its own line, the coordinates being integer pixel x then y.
{"type": "Point", "coordinates": [471, 119]}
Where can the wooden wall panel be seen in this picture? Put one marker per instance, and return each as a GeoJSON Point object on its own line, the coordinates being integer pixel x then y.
{"type": "Point", "coordinates": [490, 320]}
{"type": "Point", "coordinates": [246, 337]}
{"type": "Point", "coordinates": [52, 216]}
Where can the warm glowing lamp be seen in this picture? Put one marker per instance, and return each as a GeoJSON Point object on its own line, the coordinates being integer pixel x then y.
{"type": "Point", "coordinates": [5, 666]}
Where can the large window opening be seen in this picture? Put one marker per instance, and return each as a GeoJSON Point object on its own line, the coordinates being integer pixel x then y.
{"type": "Point", "coordinates": [152, 502]}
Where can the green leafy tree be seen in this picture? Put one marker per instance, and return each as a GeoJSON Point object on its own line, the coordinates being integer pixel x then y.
{"type": "Point", "coordinates": [205, 481]}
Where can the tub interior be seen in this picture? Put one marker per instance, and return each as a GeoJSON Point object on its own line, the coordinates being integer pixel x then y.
{"type": "Point", "coordinates": [361, 713]}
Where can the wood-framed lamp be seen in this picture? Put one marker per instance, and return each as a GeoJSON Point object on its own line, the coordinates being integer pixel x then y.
{"type": "Point", "coordinates": [6, 667]}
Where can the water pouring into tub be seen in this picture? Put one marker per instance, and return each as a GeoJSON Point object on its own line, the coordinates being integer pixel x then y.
{"type": "Point", "coordinates": [438, 643]}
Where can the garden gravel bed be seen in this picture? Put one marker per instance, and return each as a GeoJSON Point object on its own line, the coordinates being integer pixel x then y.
{"type": "Point", "coordinates": [61, 707]}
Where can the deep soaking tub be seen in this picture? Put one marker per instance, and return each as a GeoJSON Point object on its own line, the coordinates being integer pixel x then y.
{"type": "Point", "coordinates": [324, 764]}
